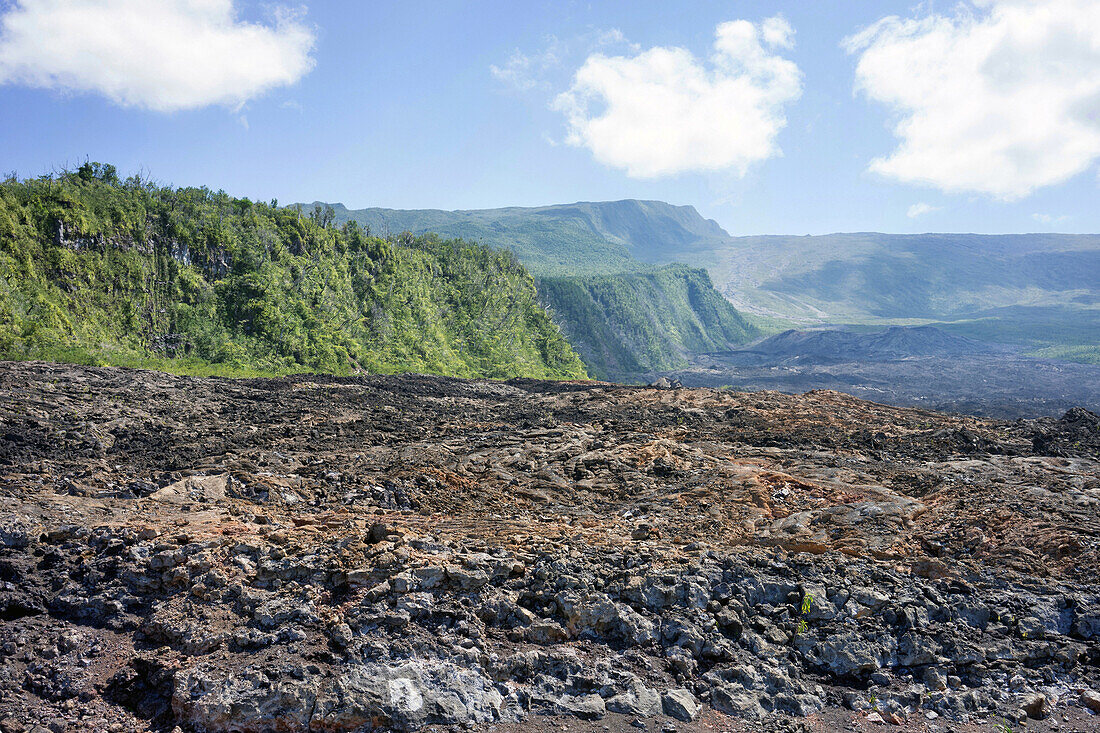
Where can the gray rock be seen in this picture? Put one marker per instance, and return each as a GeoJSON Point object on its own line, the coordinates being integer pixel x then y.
{"type": "Point", "coordinates": [403, 696]}
{"type": "Point", "coordinates": [801, 705]}
{"type": "Point", "coordinates": [636, 700]}
{"type": "Point", "coordinates": [586, 707]}
{"type": "Point", "coordinates": [679, 703]}
{"type": "Point", "coordinates": [15, 532]}
{"type": "Point", "coordinates": [851, 654]}
{"type": "Point", "coordinates": [935, 680]}
{"type": "Point", "coordinates": [468, 580]}
{"type": "Point", "coordinates": [192, 489]}
{"type": "Point", "coordinates": [734, 700]}
{"type": "Point", "coordinates": [1036, 706]}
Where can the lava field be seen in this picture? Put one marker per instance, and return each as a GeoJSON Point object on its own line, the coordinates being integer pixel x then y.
{"type": "Point", "coordinates": [403, 552]}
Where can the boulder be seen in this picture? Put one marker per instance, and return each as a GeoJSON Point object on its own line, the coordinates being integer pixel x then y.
{"type": "Point", "coordinates": [679, 703]}
{"type": "Point", "coordinates": [637, 700]}
{"type": "Point", "coordinates": [204, 489]}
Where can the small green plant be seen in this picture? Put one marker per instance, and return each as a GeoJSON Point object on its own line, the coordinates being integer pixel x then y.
{"type": "Point", "coordinates": [803, 626]}
{"type": "Point", "coordinates": [1002, 727]}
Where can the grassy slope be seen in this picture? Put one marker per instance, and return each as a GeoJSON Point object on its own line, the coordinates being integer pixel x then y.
{"type": "Point", "coordinates": [102, 271]}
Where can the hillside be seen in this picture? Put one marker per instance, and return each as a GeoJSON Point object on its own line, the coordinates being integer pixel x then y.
{"type": "Point", "coordinates": [595, 268]}
{"type": "Point", "coordinates": [567, 239]}
{"type": "Point", "coordinates": [880, 276]}
{"type": "Point", "coordinates": [1039, 291]}
{"type": "Point", "coordinates": [625, 324]}
{"type": "Point", "coordinates": [99, 270]}
{"type": "Point", "coordinates": [909, 366]}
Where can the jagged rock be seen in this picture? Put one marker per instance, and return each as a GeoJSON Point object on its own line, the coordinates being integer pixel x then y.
{"type": "Point", "coordinates": [404, 696]}
{"type": "Point", "coordinates": [935, 679]}
{"type": "Point", "coordinates": [15, 532]}
{"type": "Point", "coordinates": [1036, 706]}
{"type": "Point", "coordinates": [681, 704]}
{"type": "Point", "coordinates": [193, 488]}
{"type": "Point", "coordinates": [636, 700]}
{"type": "Point", "coordinates": [586, 707]}
{"type": "Point", "coordinates": [734, 700]}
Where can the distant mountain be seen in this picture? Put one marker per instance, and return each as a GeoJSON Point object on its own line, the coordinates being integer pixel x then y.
{"type": "Point", "coordinates": [566, 239]}
{"type": "Point", "coordinates": [1037, 291]}
{"type": "Point", "coordinates": [866, 277]}
{"type": "Point", "coordinates": [835, 347]}
{"type": "Point", "coordinates": [627, 324]}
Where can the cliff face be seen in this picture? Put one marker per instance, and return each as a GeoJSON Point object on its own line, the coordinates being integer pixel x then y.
{"type": "Point", "coordinates": [98, 270]}
{"type": "Point", "coordinates": [321, 553]}
{"type": "Point", "coordinates": [638, 323]}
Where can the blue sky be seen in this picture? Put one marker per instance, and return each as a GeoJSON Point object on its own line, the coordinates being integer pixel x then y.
{"type": "Point", "coordinates": [485, 104]}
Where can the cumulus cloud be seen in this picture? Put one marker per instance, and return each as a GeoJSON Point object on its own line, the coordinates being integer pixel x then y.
{"type": "Point", "coordinates": [1001, 98]}
{"type": "Point", "coordinates": [165, 55]}
{"type": "Point", "coordinates": [920, 209]}
{"type": "Point", "coordinates": [663, 111]}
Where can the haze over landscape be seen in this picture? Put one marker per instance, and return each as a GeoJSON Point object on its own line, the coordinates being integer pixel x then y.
{"type": "Point", "coordinates": [596, 366]}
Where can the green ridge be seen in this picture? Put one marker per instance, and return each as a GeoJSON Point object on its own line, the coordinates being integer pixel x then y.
{"type": "Point", "coordinates": [99, 270]}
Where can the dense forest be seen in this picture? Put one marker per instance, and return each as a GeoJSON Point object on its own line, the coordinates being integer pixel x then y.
{"type": "Point", "coordinates": [640, 323]}
{"type": "Point", "coordinates": [100, 270]}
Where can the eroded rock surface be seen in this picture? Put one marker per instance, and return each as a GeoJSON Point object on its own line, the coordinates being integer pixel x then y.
{"type": "Point", "coordinates": [339, 554]}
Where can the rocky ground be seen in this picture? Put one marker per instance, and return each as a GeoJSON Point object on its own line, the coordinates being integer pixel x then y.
{"type": "Point", "coordinates": [328, 554]}
{"type": "Point", "coordinates": [1004, 386]}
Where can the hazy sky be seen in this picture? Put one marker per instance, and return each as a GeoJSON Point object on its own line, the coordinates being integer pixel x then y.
{"type": "Point", "coordinates": [771, 117]}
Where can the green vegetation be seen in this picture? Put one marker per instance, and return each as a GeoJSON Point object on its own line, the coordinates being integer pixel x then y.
{"type": "Point", "coordinates": [568, 239]}
{"type": "Point", "coordinates": [1084, 354]}
{"type": "Point", "coordinates": [1065, 333]}
{"type": "Point", "coordinates": [99, 270]}
{"type": "Point", "coordinates": [803, 624]}
{"type": "Point", "coordinates": [643, 322]}
{"type": "Point", "coordinates": [598, 271]}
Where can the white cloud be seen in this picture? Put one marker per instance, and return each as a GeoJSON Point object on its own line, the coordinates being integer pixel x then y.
{"type": "Point", "coordinates": [1001, 98]}
{"type": "Point", "coordinates": [663, 111]}
{"type": "Point", "coordinates": [920, 209]}
{"type": "Point", "coordinates": [1048, 219]}
{"type": "Point", "coordinates": [163, 55]}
